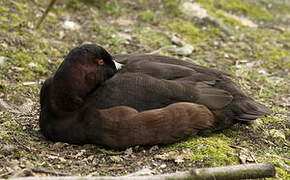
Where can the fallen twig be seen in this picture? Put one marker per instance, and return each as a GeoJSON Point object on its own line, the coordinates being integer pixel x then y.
{"type": "Point", "coordinates": [40, 170]}
{"type": "Point", "coordinates": [49, 7]}
{"type": "Point", "coordinates": [244, 171]}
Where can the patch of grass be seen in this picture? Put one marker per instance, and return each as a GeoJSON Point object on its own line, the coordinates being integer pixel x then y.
{"type": "Point", "coordinates": [277, 109]}
{"type": "Point", "coordinates": [152, 39]}
{"type": "Point", "coordinates": [172, 7]}
{"type": "Point", "coordinates": [210, 151]}
{"type": "Point", "coordinates": [279, 163]}
{"type": "Point", "coordinates": [237, 6]}
{"type": "Point", "coordinates": [74, 5]}
{"type": "Point", "coordinates": [111, 7]}
{"type": "Point", "coordinates": [12, 19]}
{"type": "Point", "coordinates": [272, 55]}
{"type": "Point", "coordinates": [108, 37]}
{"type": "Point", "coordinates": [185, 29]}
{"type": "Point", "coordinates": [233, 23]}
{"type": "Point", "coordinates": [273, 119]}
{"type": "Point", "coordinates": [146, 16]}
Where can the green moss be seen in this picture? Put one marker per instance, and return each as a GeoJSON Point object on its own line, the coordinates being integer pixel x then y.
{"type": "Point", "coordinates": [3, 9]}
{"type": "Point", "coordinates": [272, 119]}
{"type": "Point", "coordinates": [21, 59]}
{"type": "Point", "coordinates": [172, 7]}
{"type": "Point", "coordinates": [13, 18]}
{"type": "Point", "coordinates": [74, 4]}
{"type": "Point", "coordinates": [188, 31]}
{"type": "Point", "coordinates": [237, 6]}
{"type": "Point", "coordinates": [272, 56]}
{"type": "Point", "coordinates": [213, 32]}
{"type": "Point", "coordinates": [3, 19]}
{"type": "Point", "coordinates": [20, 7]}
{"type": "Point", "coordinates": [115, 42]}
{"type": "Point", "coordinates": [152, 39]}
{"type": "Point", "coordinates": [5, 137]}
{"type": "Point", "coordinates": [108, 36]}
{"type": "Point", "coordinates": [280, 110]}
{"type": "Point", "coordinates": [111, 7]}
{"type": "Point", "coordinates": [147, 16]}
{"type": "Point", "coordinates": [282, 172]}
{"type": "Point", "coordinates": [211, 151]}
{"type": "Point", "coordinates": [233, 23]}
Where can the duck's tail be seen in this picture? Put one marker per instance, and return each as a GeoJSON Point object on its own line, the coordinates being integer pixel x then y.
{"type": "Point", "coordinates": [243, 110]}
{"type": "Point", "coordinates": [248, 110]}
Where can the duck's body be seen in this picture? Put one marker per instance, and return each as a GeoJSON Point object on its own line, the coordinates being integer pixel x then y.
{"type": "Point", "coordinates": [151, 81]}
{"type": "Point", "coordinates": [151, 100]}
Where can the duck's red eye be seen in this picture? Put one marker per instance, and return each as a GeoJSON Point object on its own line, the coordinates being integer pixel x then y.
{"type": "Point", "coordinates": [101, 62]}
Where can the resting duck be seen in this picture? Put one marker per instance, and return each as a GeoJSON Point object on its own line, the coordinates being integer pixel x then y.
{"type": "Point", "coordinates": [138, 100]}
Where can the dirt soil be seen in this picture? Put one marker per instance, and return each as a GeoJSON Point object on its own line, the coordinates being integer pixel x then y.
{"type": "Point", "coordinates": [247, 38]}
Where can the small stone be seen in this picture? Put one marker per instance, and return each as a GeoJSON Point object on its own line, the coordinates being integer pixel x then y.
{"type": "Point", "coordinates": [162, 166]}
{"type": "Point", "coordinates": [185, 50]}
{"type": "Point", "coordinates": [61, 34]}
{"type": "Point", "coordinates": [176, 40]}
{"type": "Point", "coordinates": [194, 10]}
{"type": "Point", "coordinates": [215, 43]}
{"type": "Point", "coordinates": [179, 160]}
{"type": "Point", "coordinates": [32, 64]}
{"type": "Point", "coordinates": [71, 25]}
{"type": "Point", "coordinates": [263, 71]}
{"type": "Point", "coordinates": [3, 59]}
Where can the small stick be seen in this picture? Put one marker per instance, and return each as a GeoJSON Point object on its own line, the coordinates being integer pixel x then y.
{"type": "Point", "coordinates": [244, 171]}
{"type": "Point", "coordinates": [39, 170]}
{"type": "Point", "coordinates": [49, 7]}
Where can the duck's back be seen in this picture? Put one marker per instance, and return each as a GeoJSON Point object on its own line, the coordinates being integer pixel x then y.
{"type": "Point", "coordinates": [151, 81]}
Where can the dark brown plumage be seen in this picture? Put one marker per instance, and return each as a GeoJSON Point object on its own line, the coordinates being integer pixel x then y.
{"type": "Point", "coordinates": [151, 100]}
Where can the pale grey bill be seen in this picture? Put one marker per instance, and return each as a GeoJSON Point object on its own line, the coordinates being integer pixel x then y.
{"type": "Point", "coordinates": [118, 65]}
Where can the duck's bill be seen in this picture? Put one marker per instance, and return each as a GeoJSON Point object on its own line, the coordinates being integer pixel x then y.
{"type": "Point", "coordinates": [118, 65]}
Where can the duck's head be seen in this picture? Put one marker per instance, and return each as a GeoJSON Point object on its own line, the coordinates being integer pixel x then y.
{"type": "Point", "coordinates": [82, 71]}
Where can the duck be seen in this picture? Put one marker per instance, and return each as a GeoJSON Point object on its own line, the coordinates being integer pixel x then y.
{"type": "Point", "coordinates": [124, 100]}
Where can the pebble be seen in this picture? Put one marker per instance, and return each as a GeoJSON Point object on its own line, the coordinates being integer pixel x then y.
{"type": "Point", "coordinates": [71, 25]}
{"type": "Point", "coordinates": [185, 50]}
{"type": "Point", "coordinates": [162, 166]}
{"type": "Point", "coordinates": [194, 10]}
{"type": "Point", "coordinates": [176, 40]}
{"type": "Point", "coordinates": [3, 59]}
